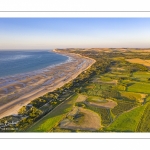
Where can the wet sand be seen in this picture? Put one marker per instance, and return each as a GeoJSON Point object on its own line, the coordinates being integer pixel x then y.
{"type": "Point", "coordinates": [17, 91]}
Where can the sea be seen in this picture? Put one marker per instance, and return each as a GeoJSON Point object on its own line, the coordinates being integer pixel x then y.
{"type": "Point", "coordinates": [14, 62]}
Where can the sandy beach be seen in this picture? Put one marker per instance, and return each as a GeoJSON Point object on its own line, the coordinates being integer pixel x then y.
{"type": "Point", "coordinates": [17, 91]}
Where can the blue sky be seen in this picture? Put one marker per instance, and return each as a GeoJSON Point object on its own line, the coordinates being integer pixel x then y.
{"type": "Point", "coordinates": [49, 33]}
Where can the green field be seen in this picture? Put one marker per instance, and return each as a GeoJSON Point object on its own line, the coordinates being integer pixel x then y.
{"type": "Point", "coordinates": [132, 96]}
{"type": "Point", "coordinates": [144, 125]}
{"type": "Point", "coordinates": [54, 117]}
{"type": "Point", "coordinates": [103, 112]}
{"type": "Point", "coordinates": [148, 98]}
{"type": "Point", "coordinates": [139, 87]}
{"type": "Point", "coordinates": [128, 121]}
{"type": "Point", "coordinates": [123, 106]}
{"type": "Point", "coordinates": [121, 87]}
{"type": "Point", "coordinates": [141, 75]}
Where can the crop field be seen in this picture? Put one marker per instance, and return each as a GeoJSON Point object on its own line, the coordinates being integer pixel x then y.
{"type": "Point", "coordinates": [133, 96]}
{"type": "Point", "coordinates": [54, 117]}
{"type": "Point", "coordinates": [144, 125]}
{"type": "Point", "coordinates": [142, 76]}
{"type": "Point", "coordinates": [148, 98]}
{"type": "Point", "coordinates": [139, 87]}
{"type": "Point", "coordinates": [122, 107]}
{"type": "Point", "coordinates": [103, 112]}
{"type": "Point", "coordinates": [121, 87]}
{"type": "Point", "coordinates": [139, 61]}
{"type": "Point", "coordinates": [128, 121]}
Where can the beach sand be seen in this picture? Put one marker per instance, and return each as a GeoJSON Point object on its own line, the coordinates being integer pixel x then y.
{"type": "Point", "coordinates": [17, 91]}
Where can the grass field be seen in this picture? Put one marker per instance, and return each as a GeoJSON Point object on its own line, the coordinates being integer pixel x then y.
{"type": "Point", "coordinates": [54, 117]}
{"type": "Point", "coordinates": [128, 121]}
{"type": "Point", "coordinates": [139, 87]}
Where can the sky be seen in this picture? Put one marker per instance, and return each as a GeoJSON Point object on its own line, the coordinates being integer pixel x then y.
{"type": "Point", "coordinates": [50, 33]}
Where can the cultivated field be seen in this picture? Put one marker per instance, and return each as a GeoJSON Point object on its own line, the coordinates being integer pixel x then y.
{"type": "Point", "coordinates": [128, 121]}
{"type": "Point", "coordinates": [139, 61]}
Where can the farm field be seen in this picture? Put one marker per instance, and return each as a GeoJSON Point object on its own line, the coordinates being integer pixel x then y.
{"type": "Point", "coordinates": [128, 121]}
{"type": "Point", "coordinates": [133, 96]}
{"type": "Point", "coordinates": [144, 125]}
{"type": "Point", "coordinates": [142, 76]}
{"type": "Point", "coordinates": [139, 87]}
{"type": "Point", "coordinates": [139, 61]}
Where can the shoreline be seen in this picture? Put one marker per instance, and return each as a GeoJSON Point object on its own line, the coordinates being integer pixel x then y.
{"type": "Point", "coordinates": [35, 71]}
{"type": "Point", "coordinates": [44, 82]}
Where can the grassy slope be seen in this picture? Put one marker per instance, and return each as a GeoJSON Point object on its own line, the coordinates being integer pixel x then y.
{"type": "Point", "coordinates": [54, 117]}
{"type": "Point", "coordinates": [128, 121]}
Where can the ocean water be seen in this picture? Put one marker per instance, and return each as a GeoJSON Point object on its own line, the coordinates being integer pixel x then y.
{"type": "Point", "coordinates": [18, 62]}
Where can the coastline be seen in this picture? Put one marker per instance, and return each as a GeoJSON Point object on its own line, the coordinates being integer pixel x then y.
{"type": "Point", "coordinates": [35, 85]}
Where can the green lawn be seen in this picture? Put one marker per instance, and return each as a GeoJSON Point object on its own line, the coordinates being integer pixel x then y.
{"type": "Point", "coordinates": [139, 87]}
{"type": "Point", "coordinates": [128, 121]}
{"type": "Point", "coordinates": [54, 117]}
